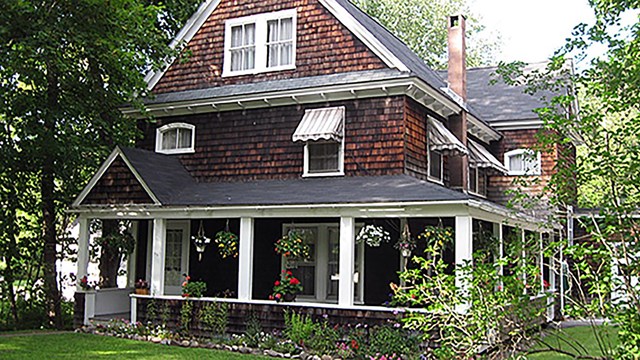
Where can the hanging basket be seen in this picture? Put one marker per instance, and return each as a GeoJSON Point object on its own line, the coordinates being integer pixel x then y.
{"type": "Point", "coordinates": [200, 241]}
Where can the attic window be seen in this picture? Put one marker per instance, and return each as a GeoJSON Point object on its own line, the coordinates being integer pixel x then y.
{"type": "Point", "coordinates": [523, 162]}
{"type": "Point", "coordinates": [175, 138]}
{"type": "Point", "coordinates": [260, 43]}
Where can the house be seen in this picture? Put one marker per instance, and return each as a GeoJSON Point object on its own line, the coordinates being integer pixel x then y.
{"type": "Point", "coordinates": [309, 115]}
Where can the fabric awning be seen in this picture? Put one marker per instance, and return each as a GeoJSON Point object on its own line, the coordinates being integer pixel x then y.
{"type": "Point", "coordinates": [317, 124]}
{"type": "Point", "coordinates": [480, 157]}
{"type": "Point", "coordinates": [441, 139]}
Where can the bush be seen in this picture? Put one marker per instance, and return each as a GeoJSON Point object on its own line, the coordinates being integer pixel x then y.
{"type": "Point", "coordinates": [298, 327]}
{"type": "Point", "coordinates": [214, 317]}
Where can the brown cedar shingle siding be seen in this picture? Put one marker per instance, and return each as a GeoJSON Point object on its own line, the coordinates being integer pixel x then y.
{"type": "Point", "coordinates": [416, 136]}
{"type": "Point", "coordinates": [117, 185]}
{"type": "Point", "coordinates": [324, 46]}
{"type": "Point", "coordinates": [256, 144]}
{"type": "Point", "coordinates": [519, 139]}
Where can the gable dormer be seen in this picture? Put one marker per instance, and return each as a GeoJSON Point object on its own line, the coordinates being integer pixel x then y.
{"type": "Point", "coordinates": [239, 42]}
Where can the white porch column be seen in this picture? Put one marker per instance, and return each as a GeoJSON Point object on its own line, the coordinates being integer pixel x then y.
{"type": "Point", "coordinates": [131, 259]}
{"type": "Point", "coordinates": [83, 249]}
{"type": "Point", "coordinates": [347, 261]}
{"type": "Point", "coordinates": [245, 259]}
{"type": "Point", "coordinates": [463, 249]}
{"type": "Point", "coordinates": [158, 256]}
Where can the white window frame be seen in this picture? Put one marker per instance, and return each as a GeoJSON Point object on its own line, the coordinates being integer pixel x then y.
{"type": "Point", "coordinates": [260, 62]}
{"type": "Point", "coordinates": [322, 261]}
{"type": "Point", "coordinates": [476, 181]}
{"type": "Point", "coordinates": [160, 133]}
{"type": "Point", "coordinates": [340, 171]}
{"type": "Point", "coordinates": [527, 154]}
{"type": "Point", "coordinates": [439, 180]}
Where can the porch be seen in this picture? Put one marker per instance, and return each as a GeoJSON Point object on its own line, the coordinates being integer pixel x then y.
{"type": "Point", "coordinates": [348, 280]}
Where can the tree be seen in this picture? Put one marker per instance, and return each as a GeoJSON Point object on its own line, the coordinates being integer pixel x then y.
{"type": "Point", "coordinates": [422, 25]}
{"type": "Point", "coordinates": [66, 68]}
{"type": "Point", "coordinates": [605, 262]}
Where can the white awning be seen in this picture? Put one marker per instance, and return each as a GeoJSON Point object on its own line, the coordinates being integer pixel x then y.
{"type": "Point", "coordinates": [480, 157]}
{"type": "Point", "coordinates": [317, 124]}
{"type": "Point", "coordinates": [441, 139]}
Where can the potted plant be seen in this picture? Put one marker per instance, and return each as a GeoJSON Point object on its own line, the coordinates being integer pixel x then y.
{"type": "Point", "coordinates": [200, 240]}
{"type": "Point", "coordinates": [406, 243]}
{"type": "Point", "coordinates": [142, 287]}
{"type": "Point", "coordinates": [85, 284]}
{"type": "Point", "coordinates": [287, 288]}
{"type": "Point", "coordinates": [227, 243]}
{"type": "Point", "coordinates": [193, 288]}
{"type": "Point", "coordinates": [373, 235]}
{"type": "Point", "coordinates": [292, 246]}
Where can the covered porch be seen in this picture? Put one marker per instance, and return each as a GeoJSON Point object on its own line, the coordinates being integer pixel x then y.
{"type": "Point", "coordinates": [346, 278]}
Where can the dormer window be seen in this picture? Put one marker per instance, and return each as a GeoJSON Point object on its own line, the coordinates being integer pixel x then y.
{"type": "Point", "coordinates": [322, 130]}
{"type": "Point", "coordinates": [175, 138]}
{"type": "Point", "coordinates": [523, 162]}
{"type": "Point", "coordinates": [260, 43]}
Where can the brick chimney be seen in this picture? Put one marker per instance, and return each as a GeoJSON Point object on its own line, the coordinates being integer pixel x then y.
{"type": "Point", "coordinates": [457, 78]}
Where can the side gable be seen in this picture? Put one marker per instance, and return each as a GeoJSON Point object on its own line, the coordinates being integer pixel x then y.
{"type": "Point", "coordinates": [116, 183]}
{"type": "Point", "coordinates": [324, 46]}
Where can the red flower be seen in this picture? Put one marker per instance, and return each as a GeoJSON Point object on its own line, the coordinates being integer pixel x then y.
{"type": "Point", "coordinates": [294, 281]}
{"type": "Point", "coordinates": [277, 283]}
{"type": "Point", "coordinates": [184, 283]}
{"type": "Point", "coordinates": [185, 295]}
{"type": "Point", "coordinates": [354, 344]}
{"type": "Point", "coordinates": [188, 277]}
{"type": "Point", "coordinates": [270, 297]}
{"type": "Point", "coordinates": [289, 272]}
{"type": "Point", "coordinates": [278, 296]}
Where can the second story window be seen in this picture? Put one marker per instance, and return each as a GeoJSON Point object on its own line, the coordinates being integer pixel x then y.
{"type": "Point", "coordinates": [175, 138]}
{"type": "Point", "coordinates": [523, 162]}
{"type": "Point", "coordinates": [260, 43]}
{"type": "Point", "coordinates": [435, 165]}
{"type": "Point", "coordinates": [322, 130]}
{"type": "Point", "coordinates": [478, 180]}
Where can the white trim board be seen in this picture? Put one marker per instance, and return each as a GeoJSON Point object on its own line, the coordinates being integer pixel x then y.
{"type": "Point", "coordinates": [103, 168]}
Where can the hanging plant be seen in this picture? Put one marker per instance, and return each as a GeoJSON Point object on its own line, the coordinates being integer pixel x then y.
{"type": "Point", "coordinates": [437, 237]}
{"type": "Point", "coordinates": [227, 242]}
{"type": "Point", "coordinates": [293, 246]}
{"type": "Point", "coordinates": [405, 243]}
{"type": "Point", "coordinates": [201, 241]}
{"type": "Point", "coordinates": [373, 235]}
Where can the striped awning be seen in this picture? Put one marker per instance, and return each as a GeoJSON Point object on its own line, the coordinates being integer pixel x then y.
{"type": "Point", "coordinates": [480, 157]}
{"type": "Point", "coordinates": [441, 139]}
{"type": "Point", "coordinates": [320, 124]}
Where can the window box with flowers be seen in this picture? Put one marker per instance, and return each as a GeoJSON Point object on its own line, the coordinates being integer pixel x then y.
{"type": "Point", "coordinates": [287, 288]}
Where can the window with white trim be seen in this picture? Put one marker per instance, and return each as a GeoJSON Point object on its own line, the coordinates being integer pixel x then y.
{"type": "Point", "coordinates": [175, 138]}
{"type": "Point", "coordinates": [435, 160]}
{"type": "Point", "coordinates": [260, 43]}
{"type": "Point", "coordinates": [478, 181]}
{"type": "Point", "coordinates": [523, 162]}
{"type": "Point", "coordinates": [323, 158]}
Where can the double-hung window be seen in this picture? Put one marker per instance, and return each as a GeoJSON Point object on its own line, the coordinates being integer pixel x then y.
{"type": "Point", "coordinates": [260, 43]}
{"type": "Point", "coordinates": [175, 138]}
{"type": "Point", "coordinates": [322, 130]}
{"type": "Point", "coordinates": [478, 180]}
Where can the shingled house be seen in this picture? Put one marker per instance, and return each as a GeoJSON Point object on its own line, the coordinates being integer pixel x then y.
{"type": "Point", "coordinates": [307, 114]}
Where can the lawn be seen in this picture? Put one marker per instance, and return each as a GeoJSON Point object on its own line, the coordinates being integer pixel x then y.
{"type": "Point", "coordinates": [87, 346]}
{"type": "Point", "coordinates": [581, 341]}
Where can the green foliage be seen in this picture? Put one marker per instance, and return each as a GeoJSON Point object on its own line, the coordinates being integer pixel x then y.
{"type": "Point", "coordinates": [324, 338]}
{"type": "Point", "coordinates": [298, 327]}
{"type": "Point", "coordinates": [389, 340]}
{"type": "Point", "coordinates": [152, 311]}
{"type": "Point", "coordinates": [165, 313]}
{"type": "Point", "coordinates": [214, 317]}
{"type": "Point", "coordinates": [186, 316]}
{"type": "Point", "coordinates": [193, 288]}
{"type": "Point", "coordinates": [253, 332]}
{"type": "Point", "coordinates": [422, 25]}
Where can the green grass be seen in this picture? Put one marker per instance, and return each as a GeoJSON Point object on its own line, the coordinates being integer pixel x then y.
{"type": "Point", "coordinates": [578, 340]}
{"type": "Point", "coordinates": [87, 346]}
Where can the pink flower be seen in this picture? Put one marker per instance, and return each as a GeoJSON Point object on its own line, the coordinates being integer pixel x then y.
{"type": "Point", "coordinates": [278, 296]}
{"type": "Point", "coordinates": [277, 283]}
{"type": "Point", "coordinates": [294, 281]}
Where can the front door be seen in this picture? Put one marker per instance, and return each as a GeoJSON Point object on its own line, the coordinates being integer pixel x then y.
{"type": "Point", "coordinates": [176, 260]}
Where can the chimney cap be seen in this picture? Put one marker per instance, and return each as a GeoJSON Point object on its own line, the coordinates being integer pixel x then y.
{"type": "Point", "coordinates": [454, 20]}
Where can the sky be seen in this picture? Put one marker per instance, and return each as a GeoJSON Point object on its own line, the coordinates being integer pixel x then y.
{"type": "Point", "coordinates": [531, 30]}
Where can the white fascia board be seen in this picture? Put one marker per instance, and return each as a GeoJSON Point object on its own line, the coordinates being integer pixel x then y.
{"type": "Point", "coordinates": [185, 35]}
{"type": "Point", "coordinates": [485, 210]}
{"type": "Point", "coordinates": [523, 124]}
{"type": "Point", "coordinates": [103, 168]}
{"type": "Point", "coordinates": [364, 35]}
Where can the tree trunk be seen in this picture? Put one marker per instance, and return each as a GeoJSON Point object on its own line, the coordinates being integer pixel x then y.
{"type": "Point", "coordinates": [47, 193]}
{"type": "Point", "coordinates": [109, 259]}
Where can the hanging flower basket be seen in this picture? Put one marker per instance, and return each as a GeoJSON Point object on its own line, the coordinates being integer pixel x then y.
{"type": "Point", "coordinates": [227, 243]}
{"type": "Point", "coordinates": [406, 243]}
{"type": "Point", "coordinates": [373, 235]}
{"type": "Point", "coordinates": [200, 241]}
{"type": "Point", "coordinates": [292, 246]}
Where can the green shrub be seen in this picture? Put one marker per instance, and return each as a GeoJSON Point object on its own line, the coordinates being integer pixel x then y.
{"type": "Point", "coordinates": [324, 339]}
{"type": "Point", "coordinates": [214, 317]}
{"type": "Point", "coordinates": [253, 332]}
{"type": "Point", "coordinates": [298, 327]}
{"type": "Point", "coordinates": [389, 340]}
{"type": "Point", "coordinates": [185, 316]}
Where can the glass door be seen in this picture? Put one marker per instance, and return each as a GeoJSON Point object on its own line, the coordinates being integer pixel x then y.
{"type": "Point", "coordinates": [176, 261]}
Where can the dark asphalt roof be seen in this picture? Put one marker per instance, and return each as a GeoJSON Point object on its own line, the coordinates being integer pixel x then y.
{"type": "Point", "coordinates": [163, 174]}
{"type": "Point", "coordinates": [278, 85]}
{"type": "Point", "coordinates": [172, 184]}
{"type": "Point", "coordinates": [500, 101]}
